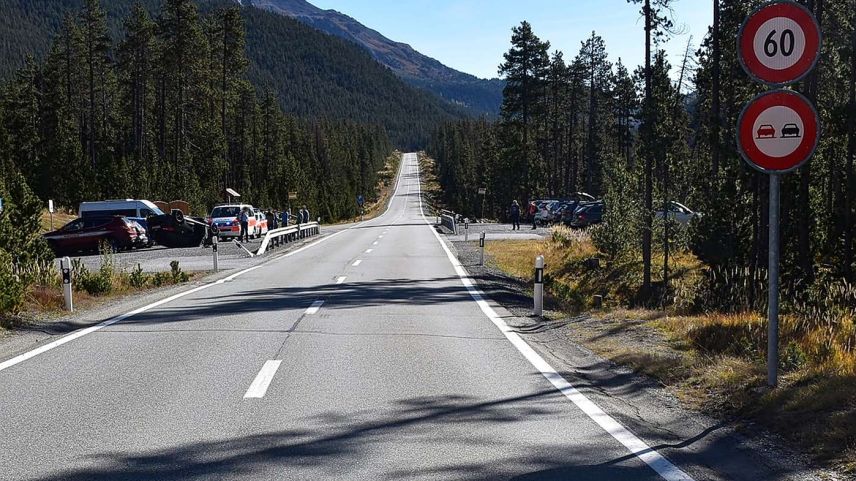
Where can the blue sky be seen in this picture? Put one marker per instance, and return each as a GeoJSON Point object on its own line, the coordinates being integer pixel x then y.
{"type": "Point", "coordinates": [472, 35]}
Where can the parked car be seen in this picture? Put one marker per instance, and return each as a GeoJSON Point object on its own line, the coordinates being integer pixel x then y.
{"type": "Point", "coordinates": [89, 234]}
{"type": "Point", "coordinates": [589, 214]}
{"type": "Point", "coordinates": [175, 230]}
{"type": "Point", "coordinates": [545, 214]}
{"type": "Point", "coordinates": [679, 212]}
{"type": "Point", "coordinates": [137, 210]}
{"type": "Point", "coordinates": [226, 218]}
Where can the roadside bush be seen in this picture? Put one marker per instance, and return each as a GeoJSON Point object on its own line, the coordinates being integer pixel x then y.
{"type": "Point", "coordinates": [178, 276]}
{"type": "Point", "coordinates": [161, 279]}
{"type": "Point", "coordinates": [137, 278]}
{"type": "Point", "coordinates": [97, 283]}
{"type": "Point", "coordinates": [12, 288]}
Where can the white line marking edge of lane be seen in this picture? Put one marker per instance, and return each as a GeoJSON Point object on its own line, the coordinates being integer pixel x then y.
{"type": "Point", "coordinates": [97, 327]}
{"type": "Point", "coordinates": [258, 388]}
{"type": "Point", "coordinates": [636, 446]}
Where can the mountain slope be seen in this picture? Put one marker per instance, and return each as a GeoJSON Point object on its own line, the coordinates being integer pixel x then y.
{"type": "Point", "coordinates": [481, 96]}
{"type": "Point", "coordinates": [313, 74]}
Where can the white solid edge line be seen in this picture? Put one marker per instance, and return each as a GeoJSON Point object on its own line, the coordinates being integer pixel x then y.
{"type": "Point", "coordinates": [341, 280]}
{"type": "Point", "coordinates": [357, 262]}
{"type": "Point", "coordinates": [88, 330]}
{"type": "Point", "coordinates": [314, 308]}
{"type": "Point", "coordinates": [260, 384]}
{"type": "Point", "coordinates": [636, 446]}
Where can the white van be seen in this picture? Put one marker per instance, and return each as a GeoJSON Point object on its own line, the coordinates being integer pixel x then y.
{"type": "Point", "coordinates": [135, 209]}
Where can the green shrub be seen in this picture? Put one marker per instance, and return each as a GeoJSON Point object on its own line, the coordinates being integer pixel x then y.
{"type": "Point", "coordinates": [161, 279]}
{"type": "Point", "coordinates": [98, 283]}
{"type": "Point", "coordinates": [137, 278]}
{"type": "Point", "coordinates": [178, 276]}
{"type": "Point", "coordinates": [12, 286]}
{"type": "Point", "coordinates": [94, 283]}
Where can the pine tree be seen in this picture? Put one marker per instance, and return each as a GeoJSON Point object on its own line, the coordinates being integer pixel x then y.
{"type": "Point", "coordinates": [525, 70]}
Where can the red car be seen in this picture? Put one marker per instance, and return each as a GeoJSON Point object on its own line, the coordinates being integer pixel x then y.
{"type": "Point", "coordinates": [88, 235]}
{"type": "Point", "coordinates": [766, 131]}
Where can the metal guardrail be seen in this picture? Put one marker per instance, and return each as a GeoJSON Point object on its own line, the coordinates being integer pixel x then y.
{"type": "Point", "coordinates": [448, 220]}
{"type": "Point", "coordinates": [290, 233]}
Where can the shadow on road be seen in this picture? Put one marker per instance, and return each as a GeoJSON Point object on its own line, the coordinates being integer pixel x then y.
{"type": "Point", "coordinates": [340, 442]}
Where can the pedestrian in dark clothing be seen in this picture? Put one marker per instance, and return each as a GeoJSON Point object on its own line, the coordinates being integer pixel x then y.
{"type": "Point", "coordinates": [271, 219]}
{"type": "Point", "coordinates": [515, 215]}
{"type": "Point", "coordinates": [245, 226]}
{"type": "Point", "coordinates": [533, 209]}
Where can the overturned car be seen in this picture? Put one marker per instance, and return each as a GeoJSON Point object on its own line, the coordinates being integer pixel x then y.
{"type": "Point", "coordinates": [175, 230]}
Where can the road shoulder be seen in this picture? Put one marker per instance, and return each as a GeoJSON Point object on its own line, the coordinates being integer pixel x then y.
{"type": "Point", "coordinates": [707, 447]}
{"type": "Point", "coordinates": [37, 333]}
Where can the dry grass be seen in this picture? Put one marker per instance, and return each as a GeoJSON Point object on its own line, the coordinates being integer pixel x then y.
{"type": "Point", "coordinates": [431, 190]}
{"type": "Point", "coordinates": [716, 361]}
{"type": "Point", "coordinates": [59, 219]}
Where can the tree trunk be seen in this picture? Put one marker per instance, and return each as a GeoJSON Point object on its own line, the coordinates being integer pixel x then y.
{"type": "Point", "coordinates": [851, 153]}
{"type": "Point", "coordinates": [805, 216]}
{"type": "Point", "coordinates": [715, 110]}
{"type": "Point", "coordinates": [648, 187]}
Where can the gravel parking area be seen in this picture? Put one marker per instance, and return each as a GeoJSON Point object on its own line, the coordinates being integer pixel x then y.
{"type": "Point", "coordinates": [197, 259]}
{"type": "Point", "coordinates": [499, 232]}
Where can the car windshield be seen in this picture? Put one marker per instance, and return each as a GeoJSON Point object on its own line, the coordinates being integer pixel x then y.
{"type": "Point", "coordinates": [225, 212]}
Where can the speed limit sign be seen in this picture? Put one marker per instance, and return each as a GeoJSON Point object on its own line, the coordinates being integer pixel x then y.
{"type": "Point", "coordinates": [779, 43]}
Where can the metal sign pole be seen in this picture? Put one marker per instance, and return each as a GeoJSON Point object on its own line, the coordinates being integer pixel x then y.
{"type": "Point", "coordinates": [773, 308]}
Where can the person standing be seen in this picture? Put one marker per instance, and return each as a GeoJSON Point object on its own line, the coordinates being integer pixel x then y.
{"type": "Point", "coordinates": [515, 215]}
{"type": "Point", "coordinates": [533, 209]}
{"type": "Point", "coordinates": [245, 225]}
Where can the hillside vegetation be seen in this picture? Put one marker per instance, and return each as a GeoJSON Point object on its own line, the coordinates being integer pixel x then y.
{"type": "Point", "coordinates": [478, 96]}
{"type": "Point", "coordinates": [312, 75]}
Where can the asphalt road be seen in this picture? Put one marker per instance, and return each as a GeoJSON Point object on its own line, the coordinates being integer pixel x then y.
{"type": "Point", "coordinates": [361, 357]}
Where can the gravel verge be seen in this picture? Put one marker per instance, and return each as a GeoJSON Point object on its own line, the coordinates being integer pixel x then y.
{"type": "Point", "coordinates": [642, 404]}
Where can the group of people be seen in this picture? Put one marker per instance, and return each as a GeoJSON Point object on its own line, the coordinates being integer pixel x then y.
{"type": "Point", "coordinates": [516, 213]}
{"type": "Point", "coordinates": [274, 220]}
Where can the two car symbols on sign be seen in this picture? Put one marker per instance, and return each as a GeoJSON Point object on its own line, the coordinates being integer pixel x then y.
{"type": "Point", "coordinates": [789, 131]}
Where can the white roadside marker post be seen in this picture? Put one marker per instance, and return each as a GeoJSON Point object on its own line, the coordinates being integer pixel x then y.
{"type": "Point", "coordinates": [467, 229]}
{"type": "Point", "coordinates": [539, 286]}
{"type": "Point", "coordinates": [481, 245]}
{"type": "Point", "coordinates": [65, 268]}
{"type": "Point", "coordinates": [214, 243]}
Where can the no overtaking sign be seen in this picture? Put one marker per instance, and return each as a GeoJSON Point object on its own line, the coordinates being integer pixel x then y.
{"type": "Point", "coordinates": [778, 131]}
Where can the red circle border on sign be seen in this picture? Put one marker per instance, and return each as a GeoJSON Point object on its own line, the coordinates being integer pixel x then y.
{"type": "Point", "coordinates": [746, 135]}
{"type": "Point", "coordinates": [799, 70]}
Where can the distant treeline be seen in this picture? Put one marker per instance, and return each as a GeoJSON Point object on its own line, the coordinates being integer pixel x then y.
{"type": "Point", "coordinates": [313, 75]}
{"type": "Point", "coordinates": [168, 113]}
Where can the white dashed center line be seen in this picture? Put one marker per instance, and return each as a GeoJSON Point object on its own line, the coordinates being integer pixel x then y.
{"type": "Point", "coordinates": [260, 384]}
{"type": "Point", "coordinates": [375, 243]}
{"type": "Point", "coordinates": [341, 280]}
{"type": "Point", "coordinates": [315, 307]}
{"type": "Point", "coordinates": [357, 262]}
{"type": "Point", "coordinates": [369, 251]}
